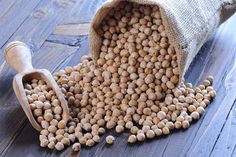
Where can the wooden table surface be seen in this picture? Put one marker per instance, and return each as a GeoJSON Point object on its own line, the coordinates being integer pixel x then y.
{"type": "Point", "coordinates": [56, 32]}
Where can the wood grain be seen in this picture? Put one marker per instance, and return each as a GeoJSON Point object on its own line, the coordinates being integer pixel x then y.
{"type": "Point", "coordinates": [227, 137]}
{"type": "Point", "coordinates": [83, 12]}
{"type": "Point", "coordinates": [171, 145]}
{"type": "Point", "coordinates": [9, 10]}
{"type": "Point", "coordinates": [72, 29]}
{"type": "Point", "coordinates": [40, 24]}
{"type": "Point", "coordinates": [51, 36]}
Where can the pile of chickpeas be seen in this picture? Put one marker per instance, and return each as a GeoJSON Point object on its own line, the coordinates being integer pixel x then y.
{"type": "Point", "coordinates": [133, 86]}
{"type": "Point", "coordinates": [47, 110]}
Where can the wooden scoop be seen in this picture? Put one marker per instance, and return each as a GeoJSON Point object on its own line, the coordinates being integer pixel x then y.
{"type": "Point", "coordinates": [18, 56]}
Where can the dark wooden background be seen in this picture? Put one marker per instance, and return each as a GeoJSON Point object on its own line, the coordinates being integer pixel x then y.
{"type": "Point", "coordinates": [56, 31]}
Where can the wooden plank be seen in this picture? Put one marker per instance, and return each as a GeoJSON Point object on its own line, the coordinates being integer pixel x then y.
{"type": "Point", "coordinates": [72, 29]}
{"type": "Point", "coordinates": [234, 152]}
{"type": "Point", "coordinates": [52, 56]}
{"type": "Point", "coordinates": [40, 24]}
{"type": "Point", "coordinates": [66, 40]}
{"type": "Point", "coordinates": [227, 139]}
{"type": "Point", "coordinates": [9, 23]}
{"type": "Point", "coordinates": [75, 24]}
{"type": "Point", "coordinates": [12, 119]}
{"type": "Point", "coordinates": [2, 65]}
{"type": "Point", "coordinates": [5, 6]}
{"type": "Point", "coordinates": [83, 12]}
{"type": "Point", "coordinates": [74, 41]}
{"type": "Point", "coordinates": [28, 143]}
{"type": "Point", "coordinates": [178, 143]}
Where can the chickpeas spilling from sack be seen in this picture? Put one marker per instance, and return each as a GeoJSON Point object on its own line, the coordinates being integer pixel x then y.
{"type": "Point", "coordinates": [132, 87]}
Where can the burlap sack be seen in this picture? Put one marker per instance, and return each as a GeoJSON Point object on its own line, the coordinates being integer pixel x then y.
{"type": "Point", "coordinates": [188, 24]}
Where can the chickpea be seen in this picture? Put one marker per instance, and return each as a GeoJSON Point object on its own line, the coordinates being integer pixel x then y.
{"type": "Point", "coordinates": [141, 137]}
{"type": "Point", "coordinates": [44, 143]}
{"type": "Point", "coordinates": [110, 139]}
{"type": "Point", "coordinates": [96, 138]}
{"type": "Point", "coordinates": [119, 128]}
{"type": "Point", "coordinates": [158, 132]}
{"type": "Point", "coordinates": [178, 124]}
{"type": "Point", "coordinates": [132, 139]}
{"type": "Point", "coordinates": [134, 129]}
{"type": "Point", "coordinates": [65, 141]}
{"type": "Point", "coordinates": [200, 110]}
{"type": "Point", "coordinates": [82, 140]}
{"type": "Point", "coordinates": [101, 130]}
{"type": "Point", "coordinates": [192, 108]}
{"type": "Point", "coordinates": [59, 146]}
{"type": "Point", "coordinates": [185, 124]}
{"type": "Point", "coordinates": [52, 129]}
{"type": "Point", "coordinates": [44, 124]}
{"type": "Point", "coordinates": [90, 143]}
{"type": "Point", "coordinates": [129, 125]}
{"type": "Point", "coordinates": [195, 115]}
{"type": "Point", "coordinates": [150, 134]}
{"type": "Point", "coordinates": [161, 115]}
{"type": "Point", "coordinates": [165, 130]}
{"type": "Point", "coordinates": [48, 116]}
{"type": "Point", "coordinates": [170, 125]}
{"type": "Point", "coordinates": [51, 145]}
{"type": "Point", "coordinates": [61, 124]}
{"type": "Point", "coordinates": [76, 147]}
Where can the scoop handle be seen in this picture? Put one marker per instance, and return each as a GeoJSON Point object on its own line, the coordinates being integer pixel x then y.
{"type": "Point", "coordinates": [18, 56]}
